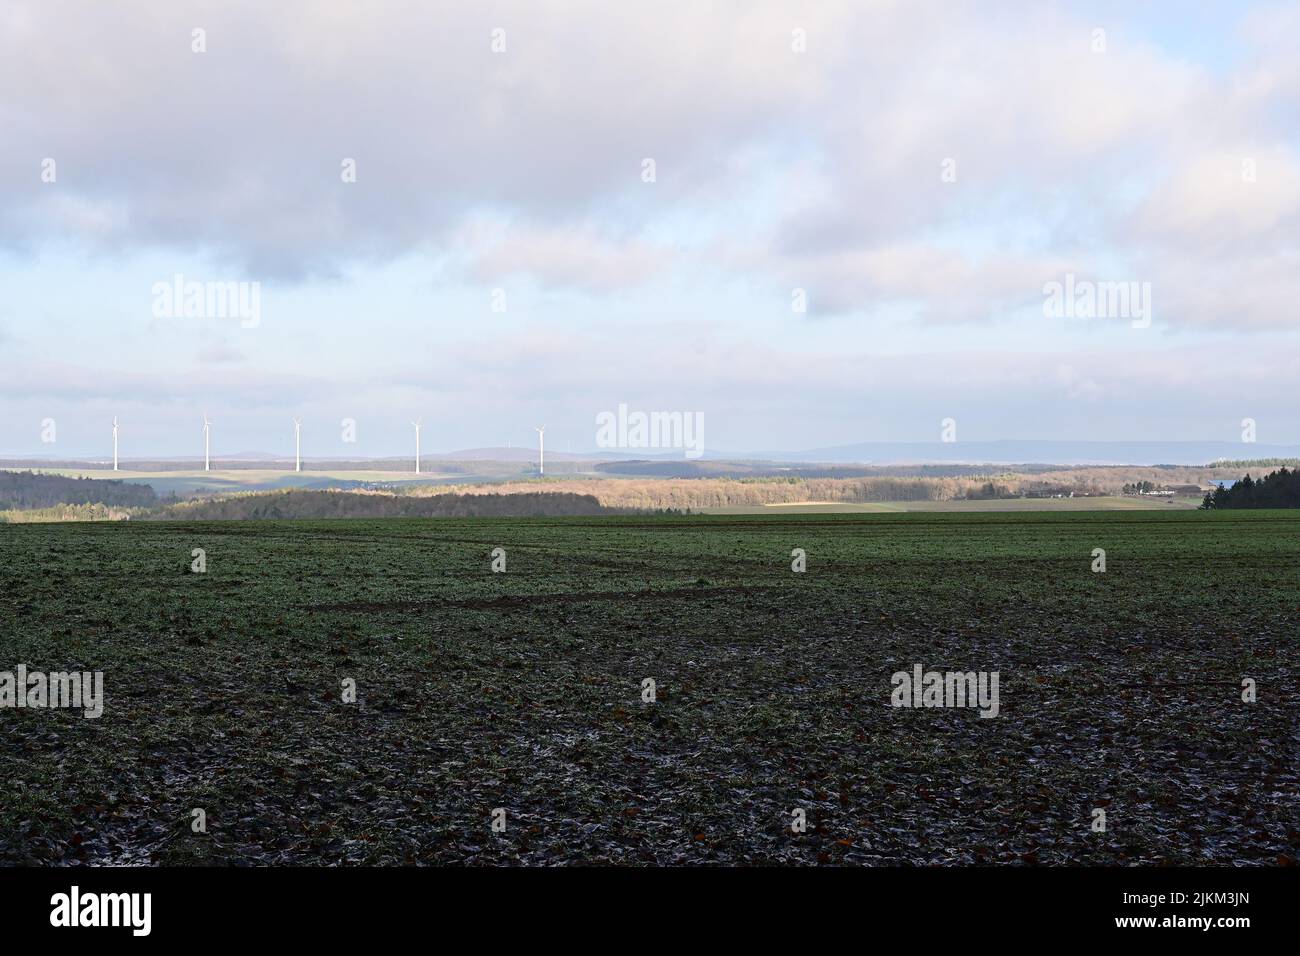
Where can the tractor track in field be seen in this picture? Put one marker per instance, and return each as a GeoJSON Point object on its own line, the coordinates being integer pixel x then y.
{"type": "Point", "coordinates": [541, 600]}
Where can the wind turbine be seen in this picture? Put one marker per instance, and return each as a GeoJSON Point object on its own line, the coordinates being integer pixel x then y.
{"type": "Point", "coordinates": [416, 423]}
{"type": "Point", "coordinates": [115, 443]}
{"type": "Point", "coordinates": [207, 443]}
{"type": "Point", "coordinates": [541, 450]}
{"type": "Point", "coordinates": [297, 445]}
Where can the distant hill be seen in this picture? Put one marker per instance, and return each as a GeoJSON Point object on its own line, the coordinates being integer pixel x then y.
{"type": "Point", "coordinates": [25, 490]}
{"type": "Point", "coordinates": [722, 468]}
{"type": "Point", "coordinates": [1053, 452]}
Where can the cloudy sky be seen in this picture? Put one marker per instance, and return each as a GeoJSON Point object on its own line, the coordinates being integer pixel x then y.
{"type": "Point", "coordinates": [844, 233]}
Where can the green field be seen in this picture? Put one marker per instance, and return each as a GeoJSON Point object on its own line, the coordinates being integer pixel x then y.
{"type": "Point", "coordinates": [522, 690]}
{"type": "Point", "coordinates": [1098, 503]}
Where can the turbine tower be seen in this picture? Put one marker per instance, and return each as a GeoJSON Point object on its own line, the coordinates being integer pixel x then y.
{"type": "Point", "coordinates": [207, 443]}
{"type": "Point", "coordinates": [541, 450]}
{"type": "Point", "coordinates": [416, 423]}
{"type": "Point", "coordinates": [297, 445]}
{"type": "Point", "coordinates": [115, 443]}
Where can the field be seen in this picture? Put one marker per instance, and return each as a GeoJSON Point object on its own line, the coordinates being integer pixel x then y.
{"type": "Point", "coordinates": [523, 690]}
{"type": "Point", "coordinates": [1097, 503]}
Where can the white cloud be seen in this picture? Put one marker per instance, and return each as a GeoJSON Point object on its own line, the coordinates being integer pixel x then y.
{"type": "Point", "coordinates": [573, 257]}
{"type": "Point", "coordinates": [1242, 195]}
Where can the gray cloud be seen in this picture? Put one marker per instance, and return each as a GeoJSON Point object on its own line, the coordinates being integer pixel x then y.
{"type": "Point", "coordinates": [240, 149]}
{"type": "Point", "coordinates": [237, 152]}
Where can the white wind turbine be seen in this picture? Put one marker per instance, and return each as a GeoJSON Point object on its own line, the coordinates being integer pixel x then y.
{"type": "Point", "coordinates": [297, 445]}
{"type": "Point", "coordinates": [115, 443]}
{"type": "Point", "coordinates": [416, 423]}
{"type": "Point", "coordinates": [207, 443]}
{"type": "Point", "coordinates": [541, 449]}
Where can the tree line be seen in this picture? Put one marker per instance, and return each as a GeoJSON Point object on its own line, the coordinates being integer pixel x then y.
{"type": "Point", "coordinates": [362, 504]}
{"type": "Point", "coordinates": [1281, 489]}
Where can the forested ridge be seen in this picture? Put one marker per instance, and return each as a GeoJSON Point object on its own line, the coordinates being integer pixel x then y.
{"type": "Point", "coordinates": [25, 490]}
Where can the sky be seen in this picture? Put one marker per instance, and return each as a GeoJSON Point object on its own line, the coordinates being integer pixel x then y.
{"type": "Point", "coordinates": [810, 224]}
